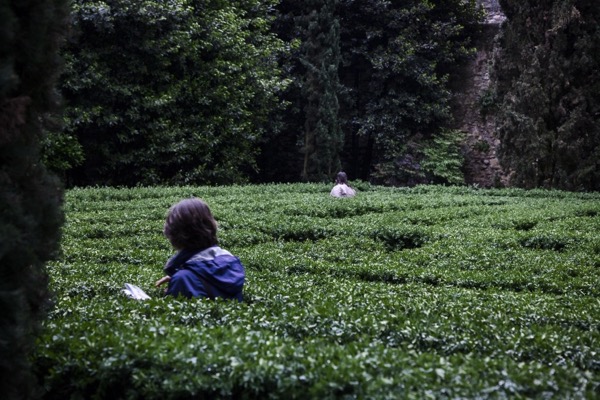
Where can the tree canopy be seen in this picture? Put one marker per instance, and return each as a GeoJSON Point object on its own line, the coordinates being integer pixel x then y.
{"type": "Point", "coordinates": [214, 92]}
{"type": "Point", "coordinates": [393, 96]}
{"type": "Point", "coordinates": [175, 92]}
{"type": "Point", "coordinates": [399, 58]}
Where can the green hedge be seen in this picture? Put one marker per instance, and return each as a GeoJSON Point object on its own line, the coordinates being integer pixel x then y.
{"type": "Point", "coordinates": [429, 292]}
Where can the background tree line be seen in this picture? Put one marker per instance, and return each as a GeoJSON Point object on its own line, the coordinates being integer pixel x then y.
{"type": "Point", "coordinates": [217, 92]}
{"type": "Point", "coordinates": [233, 91]}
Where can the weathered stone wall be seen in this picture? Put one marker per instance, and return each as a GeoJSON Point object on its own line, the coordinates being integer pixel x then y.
{"type": "Point", "coordinates": [493, 10]}
{"type": "Point", "coordinates": [482, 166]}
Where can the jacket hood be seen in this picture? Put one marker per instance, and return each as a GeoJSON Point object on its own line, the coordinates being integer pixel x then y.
{"type": "Point", "coordinates": [214, 265]}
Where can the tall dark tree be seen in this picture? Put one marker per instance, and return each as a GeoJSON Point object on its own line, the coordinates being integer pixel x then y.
{"type": "Point", "coordinates": [30, 198]}
{"type": "Point", "coordinates": [548, 82]}
{"type": "Point", "coordinates": [309, 139]}
{"type": "Point", "coordinates": [320, 56]}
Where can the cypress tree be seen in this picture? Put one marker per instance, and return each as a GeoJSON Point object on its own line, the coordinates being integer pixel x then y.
{"type": "Point", "coordinates": [320, 55]}
{"type": "Point", "coordinates": [30, 32]}
{"type": "Point", "coordinates": [548, 79]}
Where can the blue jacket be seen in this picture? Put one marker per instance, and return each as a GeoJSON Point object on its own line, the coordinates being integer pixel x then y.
{"type": "Point", "coordinates": [212, 272]}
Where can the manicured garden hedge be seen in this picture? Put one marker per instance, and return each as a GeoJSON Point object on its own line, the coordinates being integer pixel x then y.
{"type": "Point", "coordinates": [429, 292]}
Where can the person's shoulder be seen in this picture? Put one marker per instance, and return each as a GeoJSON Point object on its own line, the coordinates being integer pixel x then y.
{"type": "Point", "coordinates": [208, 254]}
{"type": "Point", "coordinates": [213, 257]}
{"type": "Point", "coordinates": [228, 260]}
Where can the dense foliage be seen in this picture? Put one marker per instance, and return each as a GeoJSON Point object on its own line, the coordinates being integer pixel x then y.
{"type": "Point", "coordinates": [428, 292]}
{"type": "Point", "coordinates": [548, 77]}
{"type": "Point", "coordinates": [397, 59]}
{"type": "Point", "coordinates": [181, 91]}
{"type": "Point", "coordinates": [175, 91]}
{"type": "Point", "coordinates": [30, 213]}
{"type": "Point", "coordinates": [217, 91]}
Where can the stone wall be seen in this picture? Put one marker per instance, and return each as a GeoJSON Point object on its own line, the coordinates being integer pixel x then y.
{"type": "Point", "coordinates": [482, 167]}
{"type": "Point", "coordinates": [494, 14]}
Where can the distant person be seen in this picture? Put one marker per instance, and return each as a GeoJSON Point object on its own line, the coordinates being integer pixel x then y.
{"type": "Point", "coordinates": [341, 188]}
{"type": "Point", "coordinates": [200, 268]}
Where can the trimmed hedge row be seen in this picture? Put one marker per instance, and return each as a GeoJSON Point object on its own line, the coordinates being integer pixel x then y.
{"type": "Point", "coordinates": [397, 293]}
